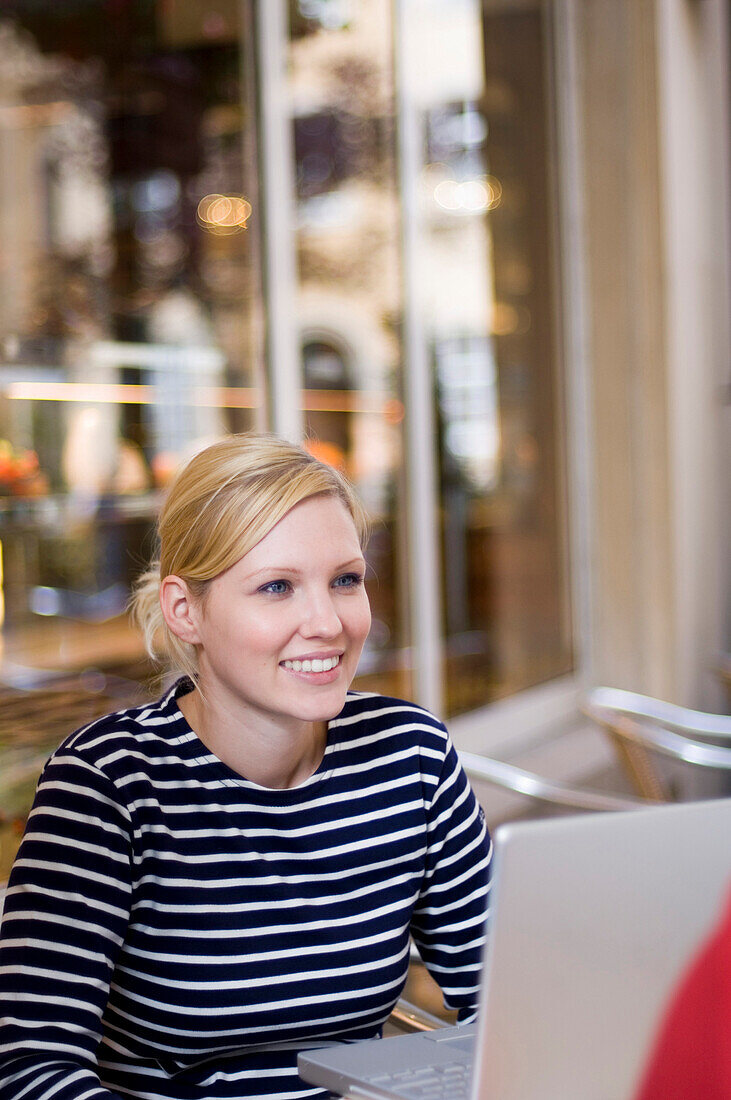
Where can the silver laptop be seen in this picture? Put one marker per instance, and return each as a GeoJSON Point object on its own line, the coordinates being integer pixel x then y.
{"type": "Point", "coordinates": [593, 920]}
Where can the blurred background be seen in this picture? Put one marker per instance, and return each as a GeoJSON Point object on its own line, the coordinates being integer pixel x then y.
{"type": "Point", "coordinates": [475, 252]}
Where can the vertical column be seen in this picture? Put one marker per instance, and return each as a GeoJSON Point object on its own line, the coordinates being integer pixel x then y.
{"type": "Point", "coordinates": [277, 170]}
{"type": "Point", "coordinates": [252, 189]}
{"type": "Point", "coordinates": [575, 329]}
{"type": "Point", "coordinates": [422, 485]}
{"type": "Point", "coordinates": [691, 66]}
{"type": "Point", "coordinates": [632, 567]}
{"type": "Point", "coordinates": [717, 19]}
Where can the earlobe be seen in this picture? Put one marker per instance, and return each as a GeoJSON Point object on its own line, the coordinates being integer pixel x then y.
{"type": "Point", "coordinates": [179, 609]}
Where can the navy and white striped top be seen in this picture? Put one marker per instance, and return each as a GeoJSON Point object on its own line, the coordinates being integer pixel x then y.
{"type": "Point", "coordinates": [174, 931]}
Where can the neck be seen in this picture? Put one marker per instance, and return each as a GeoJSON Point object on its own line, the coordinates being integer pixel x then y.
{"type": "Point", "coordinates": [267, 754]}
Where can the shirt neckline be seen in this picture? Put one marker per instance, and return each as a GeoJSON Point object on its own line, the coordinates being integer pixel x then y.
{"type": "Point", "coordinates": [228, 775]}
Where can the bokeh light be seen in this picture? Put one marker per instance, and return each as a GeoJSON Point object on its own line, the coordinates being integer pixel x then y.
{"type": "Point", "coordinates": [223, 214]}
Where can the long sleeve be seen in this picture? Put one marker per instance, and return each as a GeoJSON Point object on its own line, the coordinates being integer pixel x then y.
{"type": "Point", "coordinates": [448, 925]}
{"type": "Point", "coordinates": [66, 913]}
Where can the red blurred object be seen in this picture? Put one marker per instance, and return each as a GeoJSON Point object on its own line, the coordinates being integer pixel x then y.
{"type": "Point", "coordinates": [20, 474]}
{"type": "Point", "coordinates": [691, 1059]}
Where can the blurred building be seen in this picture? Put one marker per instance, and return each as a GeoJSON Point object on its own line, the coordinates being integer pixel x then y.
{"type": "Point", "coordinates": [476, 252]}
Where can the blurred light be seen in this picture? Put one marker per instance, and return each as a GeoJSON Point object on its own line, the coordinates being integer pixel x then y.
{"type": "Point", "coordinates": [2, 589]}
{"type": "Point", "coordinates": [219, 397]}
{"type": "Point", "coordinates": [160, 191]}
{"type": "Point", "coordinates": [44, 601]}
{"type": "Point", "coordinates": [329, 453]}
{"type": "Point", "coordinates": [504, 319]}
{"type": "Point", "coordinates": [223, 214]}
{"type": "Point", "coordinates": [105, 393]}
{"type": "Point", "coordinates": [447, 195]}
{"type": "Point", "coordinates": [475, 196]}
{"type": "Point", "coordinates": [332, 15]}
{"type": "Point", "coordinates": [508, 320]}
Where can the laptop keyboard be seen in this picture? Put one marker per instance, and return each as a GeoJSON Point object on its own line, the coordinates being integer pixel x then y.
{"type": "Point", "coordinates": [448, 1082]}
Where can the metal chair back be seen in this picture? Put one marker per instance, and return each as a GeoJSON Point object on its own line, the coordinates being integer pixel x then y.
{"type": "Point", "coordinates": [669, 752]}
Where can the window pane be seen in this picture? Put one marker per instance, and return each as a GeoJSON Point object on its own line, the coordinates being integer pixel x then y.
{"type": "Point", "coordinates": [349, 294]}
{"type": "Point", "coordinates": [490, 308]}
{"type": "Point", "coordinates": [129, 315]}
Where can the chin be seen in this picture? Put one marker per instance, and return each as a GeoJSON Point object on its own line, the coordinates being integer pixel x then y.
{"type": "Point", "coordinates": [324, 710]}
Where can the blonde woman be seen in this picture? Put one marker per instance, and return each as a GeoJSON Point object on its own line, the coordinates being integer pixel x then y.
{"type": "Point", "coordinates": [212, 882]}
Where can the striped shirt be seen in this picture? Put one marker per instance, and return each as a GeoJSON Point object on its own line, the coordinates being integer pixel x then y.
{"type": "Point", "coordinates": [174, 931]}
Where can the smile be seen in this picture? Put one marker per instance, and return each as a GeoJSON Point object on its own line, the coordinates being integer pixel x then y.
{"type": "Point", "coordinates": [317, 664]}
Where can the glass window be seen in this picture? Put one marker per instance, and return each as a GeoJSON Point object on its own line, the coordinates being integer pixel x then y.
{"type": "Point", "coordinates": [489, 308]}
{"type": "Point", "coordinates": [130, 330]}
{"type": "Point", "coordinates": [133, 324]}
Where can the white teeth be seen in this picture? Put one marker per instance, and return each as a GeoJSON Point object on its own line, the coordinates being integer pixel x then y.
{"type": "Point", "coordinates": [317, 664]}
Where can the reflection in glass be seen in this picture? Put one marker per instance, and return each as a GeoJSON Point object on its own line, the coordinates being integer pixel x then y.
{"type": "Point", "coordinates": [130, 333]}
{"type": "Point", "coordinates": [132, 326]}
{"type": "Point", "coordinates": [489, 308]}
{"type": "Point", "coordinates": [130, 273]}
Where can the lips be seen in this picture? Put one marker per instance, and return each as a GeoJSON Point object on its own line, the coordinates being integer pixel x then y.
{"type": "Point", "coordinates": [313, 664]}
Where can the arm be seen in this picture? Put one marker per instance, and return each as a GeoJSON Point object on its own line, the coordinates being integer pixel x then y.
{"type": "Point", "coordinates": [449, 918]}
{"type": "Point", "coordinates": [66, 914]}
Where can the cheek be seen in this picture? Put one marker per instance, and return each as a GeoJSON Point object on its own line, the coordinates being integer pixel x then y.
{"type": "Point", "coordinates": [361, 623]}
{"type": "Point", "coordinates": [264, 634]}
{"type": "Point", "coordinates": [234, 629]}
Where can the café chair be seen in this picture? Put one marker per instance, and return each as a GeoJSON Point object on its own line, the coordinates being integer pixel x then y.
{"type": "Point", "coordinates": [669, 752]}
{"type": "Point", "coordinates": [548, 792]}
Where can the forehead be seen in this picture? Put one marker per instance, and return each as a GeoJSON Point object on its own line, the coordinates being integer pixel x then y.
{"type": "Point", "coordinates": [323, 522]}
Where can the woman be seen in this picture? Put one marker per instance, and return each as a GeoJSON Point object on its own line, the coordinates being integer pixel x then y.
{"type": "Point", "coordinates": [210, 883]}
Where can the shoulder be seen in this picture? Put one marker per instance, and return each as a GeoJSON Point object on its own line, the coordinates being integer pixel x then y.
{"type": "Point", "coordinates": [398, 720]}
{"type": "Point", "coordinates": [123, 742]}
{"type": "Point", "coordinates": [367, 706]}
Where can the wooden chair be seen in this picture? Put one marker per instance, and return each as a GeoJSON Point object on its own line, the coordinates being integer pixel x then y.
{"type": "Point", "coordinates": [669, 752]}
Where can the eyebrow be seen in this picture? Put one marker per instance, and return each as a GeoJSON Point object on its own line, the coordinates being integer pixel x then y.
{"type": "Point", "coordinates": [353, 563]}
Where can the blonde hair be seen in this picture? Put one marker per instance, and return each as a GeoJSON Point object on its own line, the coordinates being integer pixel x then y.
{"type": "Point", "coordinates": [220, 505]}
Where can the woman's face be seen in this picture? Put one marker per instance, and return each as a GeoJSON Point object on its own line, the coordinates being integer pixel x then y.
{"type": "Point", "coordinates": [280, 633]}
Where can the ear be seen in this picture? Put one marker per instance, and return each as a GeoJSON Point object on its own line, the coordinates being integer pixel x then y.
{"type": "Point", "coordinates": [179, 609]}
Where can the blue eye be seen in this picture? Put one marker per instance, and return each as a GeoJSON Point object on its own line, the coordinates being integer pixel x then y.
{"type": "Point", "coordinates": [276, 588]}
{"type": "Point", "coordinates": [348, 580]}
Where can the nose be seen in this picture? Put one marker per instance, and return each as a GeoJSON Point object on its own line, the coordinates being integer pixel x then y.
{"type": "Point", "coordinates": [320, 618]}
